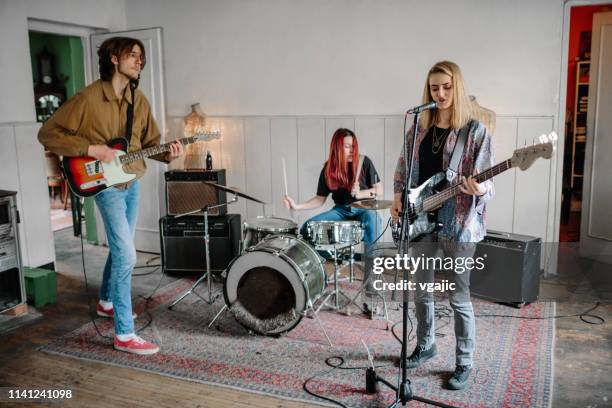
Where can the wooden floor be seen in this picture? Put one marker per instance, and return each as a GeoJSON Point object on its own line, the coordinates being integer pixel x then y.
{"type": "Point", "coordinates": [102, 385]}
{"type": "Point", "coordinates": [583, 374]}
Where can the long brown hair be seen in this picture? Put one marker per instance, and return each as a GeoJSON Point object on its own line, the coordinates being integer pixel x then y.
{"type": "Point", "coordinates": [117, 46]}
{"type": "Point", "coordinates": [461, 109]}
{"type": "Point", "coordinates": [336, 171]}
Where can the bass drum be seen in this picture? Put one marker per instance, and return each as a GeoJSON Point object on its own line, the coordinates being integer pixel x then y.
{"type": "Point", "coordinates": [270, 286]}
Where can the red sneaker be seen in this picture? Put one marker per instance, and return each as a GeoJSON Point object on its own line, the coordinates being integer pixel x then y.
{"type": "Point", "coordinates": [102, 312]}
{"type": "Point", "coordinates": [136, 345]}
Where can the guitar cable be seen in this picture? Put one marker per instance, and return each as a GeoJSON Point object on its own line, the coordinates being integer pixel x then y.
{"type": "Point", "coordinates": [89, 299]}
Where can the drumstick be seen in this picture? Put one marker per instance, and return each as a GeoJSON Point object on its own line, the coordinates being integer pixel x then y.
{"type": "Point", "coordinates": [285, 176]}
{"type": "Point", "coordinates": [291, 210]}
{"type": "Point", "coordinates": [359, 166]}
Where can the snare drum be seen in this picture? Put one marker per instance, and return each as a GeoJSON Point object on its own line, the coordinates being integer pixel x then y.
{"type": "Point", "coordinates": [334, 233]}
{"type": "Point", "coordinates": [256, 229]}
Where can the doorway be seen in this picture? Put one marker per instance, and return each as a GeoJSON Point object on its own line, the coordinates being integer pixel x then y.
{"type": "Point", "coordinates": [58, 73]}
{"type": "Point", "coordinates": [576, 111]}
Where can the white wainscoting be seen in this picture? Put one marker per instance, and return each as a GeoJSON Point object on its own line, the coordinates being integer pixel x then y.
{"type": "Point", "coordinates": [23, 165]}
{"type": "Point", "coordinates": [252, 147]}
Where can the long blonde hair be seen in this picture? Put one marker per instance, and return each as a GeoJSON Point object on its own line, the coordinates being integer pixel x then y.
{"type": "Point", "coordinates": [461, 109]}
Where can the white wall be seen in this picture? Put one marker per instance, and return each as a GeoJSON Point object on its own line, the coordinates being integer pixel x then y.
{"type": "Point", "coordinates": [23, 157]}
{"type": "Point", "coordinates": [324, 57]}
{"type": "Point", "coordinates": [286, 73]}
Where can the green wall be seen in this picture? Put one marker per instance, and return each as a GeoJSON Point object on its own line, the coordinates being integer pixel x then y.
{"type": "Point", "coordinates": [69, 58]}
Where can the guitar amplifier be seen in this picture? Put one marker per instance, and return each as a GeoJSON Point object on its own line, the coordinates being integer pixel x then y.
{"type": "Point", "coordinates": [187, 191]}
{"type": "Point", "coordinates": [511, 272]}
{"type": "Point", "coordinates": [182, 242]}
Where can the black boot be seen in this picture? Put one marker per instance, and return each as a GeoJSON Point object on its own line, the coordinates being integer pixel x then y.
{"type": "Point", "coordinates": [460, 377]}
{"type": "Point", "coordinates": [420, 355]}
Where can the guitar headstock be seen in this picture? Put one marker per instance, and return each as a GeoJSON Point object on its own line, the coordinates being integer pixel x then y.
{"type": "Point", "coordinates": [523, 158]}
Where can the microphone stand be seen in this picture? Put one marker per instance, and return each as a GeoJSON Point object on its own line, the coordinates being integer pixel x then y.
{"type": "Point", "coordinates": [403, 392]}
{"type": "Point", "coordinates": [208, 274]}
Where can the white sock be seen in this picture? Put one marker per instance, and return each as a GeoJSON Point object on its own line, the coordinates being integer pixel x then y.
{"type": "Point", "coordinates": [105, 304]}
{"type": "Point", "coordinates": [125, 337]}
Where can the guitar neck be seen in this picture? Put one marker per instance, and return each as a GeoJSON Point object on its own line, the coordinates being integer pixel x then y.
{"type": "Point", "coordinates": [434, 201]}
{"type": "Point", "coordinates": [152, 151]}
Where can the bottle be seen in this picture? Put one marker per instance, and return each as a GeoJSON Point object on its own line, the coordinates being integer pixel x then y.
{"type": "Point", "coordinates": [209, 164]}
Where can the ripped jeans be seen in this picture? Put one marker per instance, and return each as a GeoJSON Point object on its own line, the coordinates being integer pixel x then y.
{"type": "Point", "coordinates": [460, 302]}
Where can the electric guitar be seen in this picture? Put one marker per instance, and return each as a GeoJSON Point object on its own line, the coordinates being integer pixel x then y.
{"type": "Point", "coordinates": [87, 176]}
{"type": "Point", "coordinates": [428, 196]}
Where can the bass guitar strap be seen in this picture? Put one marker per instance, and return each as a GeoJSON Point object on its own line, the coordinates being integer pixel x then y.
{"type": "Point", "coordinates": [453, 166]}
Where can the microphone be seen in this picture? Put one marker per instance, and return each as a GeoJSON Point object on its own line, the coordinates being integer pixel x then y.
{"type": "Point", "coordinates": [421, 108]}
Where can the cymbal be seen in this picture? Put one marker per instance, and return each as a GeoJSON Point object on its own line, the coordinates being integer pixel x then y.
{"type": "Point", "coordinates": [372, 204]}
{"type": "Point", "coordinates": [236, 191]}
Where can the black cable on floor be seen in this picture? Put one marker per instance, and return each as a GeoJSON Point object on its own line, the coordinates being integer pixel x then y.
{"type": "Point", "coordinates": [147, 265]}
{"type": "Point", "coordinates": [338, 366]}
{"type": "Point", "coordinates": [587, 313]}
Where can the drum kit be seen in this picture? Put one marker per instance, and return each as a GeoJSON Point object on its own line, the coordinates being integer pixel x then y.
{"type": "Point", "coordinates": [279, 275]}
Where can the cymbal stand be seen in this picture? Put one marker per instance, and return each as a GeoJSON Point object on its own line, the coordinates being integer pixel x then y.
{"type": "Point", "coordinates": [207, 275]}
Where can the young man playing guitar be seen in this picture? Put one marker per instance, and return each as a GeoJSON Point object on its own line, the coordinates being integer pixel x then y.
{"type": "Point", "coordinates": [82, 127]}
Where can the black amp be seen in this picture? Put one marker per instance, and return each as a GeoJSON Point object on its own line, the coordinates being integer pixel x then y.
{"type": "Point", "coordinates": [511, 271]}
{"type": "Point", "coordinates": [182, 242]}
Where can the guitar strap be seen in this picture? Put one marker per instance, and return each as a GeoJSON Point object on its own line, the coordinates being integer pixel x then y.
{"type": "Point", "coordinates": [130, 117]}
{"type": "Point", "coordinates": [453, 166]}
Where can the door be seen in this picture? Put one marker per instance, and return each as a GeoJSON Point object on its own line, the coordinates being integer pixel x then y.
{"type": "Point", "coordinates": [151, 185]}
{"type": "Point", "coordinates": [596, 225]}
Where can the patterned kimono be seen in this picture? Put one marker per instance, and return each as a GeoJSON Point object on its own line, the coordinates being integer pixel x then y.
{"type": "Point", "coordinates": [463, 216]}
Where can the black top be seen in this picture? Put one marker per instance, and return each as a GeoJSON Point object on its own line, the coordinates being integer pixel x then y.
{"type": "Point", "coordinates": [342, 196]}
{"type": "Point", "coordinates": [430, 162]}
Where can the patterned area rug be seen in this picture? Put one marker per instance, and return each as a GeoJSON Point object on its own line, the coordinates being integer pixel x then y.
{"type": "Point", "coordinates": [513, 362]}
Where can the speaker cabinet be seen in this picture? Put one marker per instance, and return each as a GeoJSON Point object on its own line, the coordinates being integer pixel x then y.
{"type": "Point", "coordinates": [511, 271]}
{"type": "Point", "coordinates": [187, 190]}
{"type": "Point", "coordinates": [182, 242]}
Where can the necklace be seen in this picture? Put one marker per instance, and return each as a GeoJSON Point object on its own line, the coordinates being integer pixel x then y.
{"type": "Point", "coordinates": [438, 141]}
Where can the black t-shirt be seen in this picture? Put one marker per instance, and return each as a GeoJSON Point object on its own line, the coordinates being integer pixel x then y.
{"type": "Point", "coordinates": [342, 196]}
{"type": "Point", "coordinates": [430, 162]}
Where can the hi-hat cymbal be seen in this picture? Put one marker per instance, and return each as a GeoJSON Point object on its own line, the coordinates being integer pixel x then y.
{"type": "Point", "coordinates": [236, 191]}
{"type": "Point", "coordinates": [372, 204]}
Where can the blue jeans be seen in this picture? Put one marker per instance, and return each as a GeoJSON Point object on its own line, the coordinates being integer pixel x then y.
{"type": "Point", "coordinates": [119, 210]}
{"type": "Point", "coordinates": [460, 301]}
{"type": "Point", "coordinates": [372, 226]}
